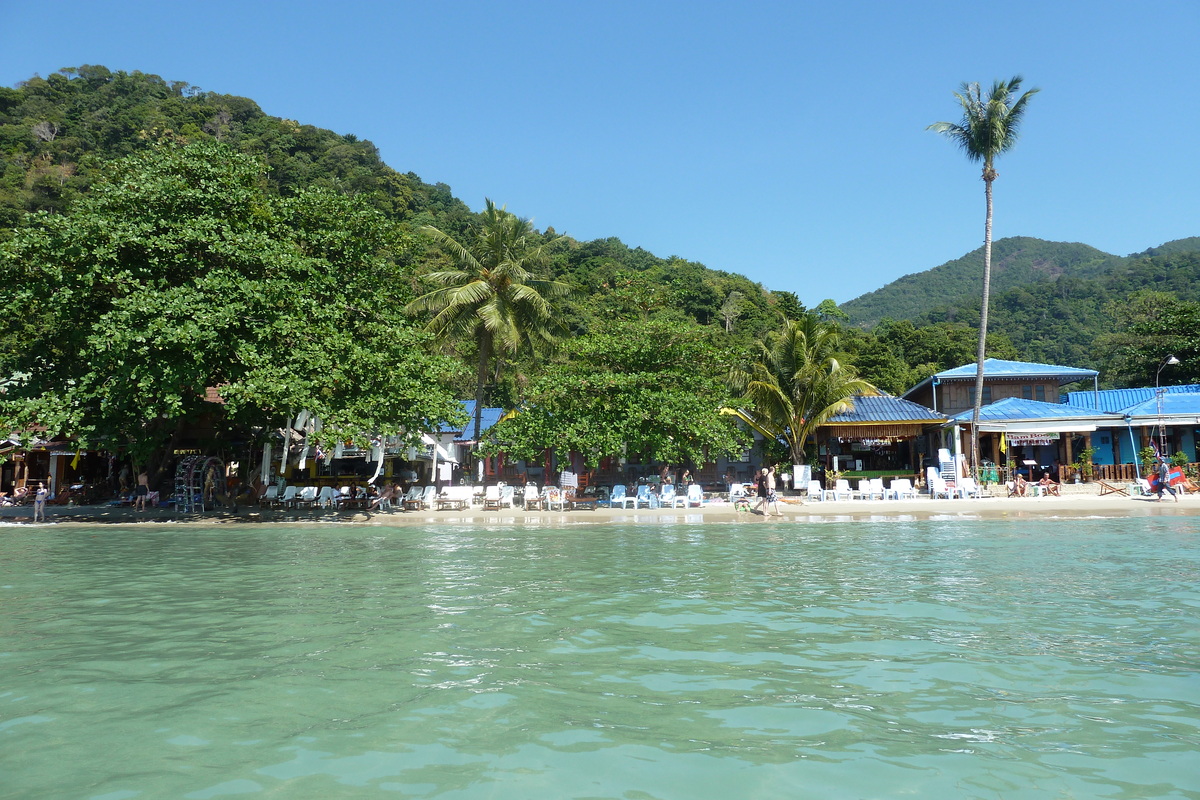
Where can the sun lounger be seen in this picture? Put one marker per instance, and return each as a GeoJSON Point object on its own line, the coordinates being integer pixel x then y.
{"type": "Point", "coordinates": [457, 498]}
{"type": "Point", "coordinates": [1108, 488]}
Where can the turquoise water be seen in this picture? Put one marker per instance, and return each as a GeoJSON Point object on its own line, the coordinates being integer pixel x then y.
{"type": "Point", "coordinates": [1045, 659]}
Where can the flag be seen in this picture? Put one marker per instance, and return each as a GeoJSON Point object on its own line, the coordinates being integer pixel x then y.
{"type": "Point", "coordinates": [1003, 442]}
{"type": "Point", "coordinates": [75, 460]}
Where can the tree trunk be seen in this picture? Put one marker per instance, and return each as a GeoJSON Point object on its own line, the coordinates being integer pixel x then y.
{"type": "Point", "coordinates": [983, 322]}
{"type": "Point", "coordinates": [481, 376]}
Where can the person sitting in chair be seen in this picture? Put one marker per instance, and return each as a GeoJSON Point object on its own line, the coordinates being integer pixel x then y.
{"type": "Point", "coordinates": [1048, 485]}
{"type": "Point", "coordinates": [1018, 487]}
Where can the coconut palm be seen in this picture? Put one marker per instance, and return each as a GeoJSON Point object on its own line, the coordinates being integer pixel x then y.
{"type": "Point", "coordinates": [798, 382]}
{"type": "Point", "coordinates": [989, 127]}
{"type": "Point", "coordinates": [493, 294]}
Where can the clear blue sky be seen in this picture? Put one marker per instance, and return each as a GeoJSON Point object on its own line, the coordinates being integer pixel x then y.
{"type": "Point", "coordinates": [784, 141]}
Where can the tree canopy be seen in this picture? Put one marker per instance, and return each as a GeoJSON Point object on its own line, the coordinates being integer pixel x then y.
{"type": "Point", "coordinates": [178, 272]}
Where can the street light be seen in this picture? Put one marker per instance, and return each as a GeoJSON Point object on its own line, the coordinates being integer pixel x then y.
{"type": "Point", "coordinates": [1158, 392]}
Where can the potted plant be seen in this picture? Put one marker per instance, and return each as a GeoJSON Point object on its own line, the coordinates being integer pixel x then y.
{"type": "Point", "coordinates": [1084, 461]}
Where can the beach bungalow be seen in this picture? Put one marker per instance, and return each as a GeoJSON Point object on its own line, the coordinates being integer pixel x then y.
{"type": "Point", "coordinates": [881, 436]}
{"type": "Point", "coordinates": [953, 390]}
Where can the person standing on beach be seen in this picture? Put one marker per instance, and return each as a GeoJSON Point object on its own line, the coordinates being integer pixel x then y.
{"type": "Point", "coordinates": [141, 492]}
{"type": "Point", "coordinates": [39, 503]}
{"type": "Point", "coordinates": [772, 494]}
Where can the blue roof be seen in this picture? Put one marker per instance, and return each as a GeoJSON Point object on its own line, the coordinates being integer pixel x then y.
{"type": "Point", "coordinates": [885, 408]}
{"type": "Point", "coordinates": [487, 418]}
{"type": "Point", "coordinates": [1183, 404]}
{"type": "Point", "coordinates": [1018, 408]}
{"type": "Point", "coordinates": [1121, 399]}
{"type": "Point", "coordinates": [998, 368]}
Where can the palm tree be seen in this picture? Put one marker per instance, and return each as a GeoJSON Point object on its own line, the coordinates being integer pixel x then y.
{"type": "Point", "coordinates": [989, 127]}
{"type": "Point", "coordinates": [799, 381]}
{"type": "Point", "coordinates": [493, 295]}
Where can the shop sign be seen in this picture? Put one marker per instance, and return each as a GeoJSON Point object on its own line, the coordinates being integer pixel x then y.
{"type": "Point", "coordinates": [1032, 439]}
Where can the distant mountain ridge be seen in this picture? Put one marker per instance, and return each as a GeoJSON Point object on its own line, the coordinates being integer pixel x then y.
{"type": "Point", "coordinates": [1016, 261]}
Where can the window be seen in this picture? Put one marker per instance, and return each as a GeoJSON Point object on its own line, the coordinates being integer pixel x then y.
{"type": "Point", "coordinates": [987, 396]}
{"type": "Point", "coordinates": [1041, 393]}
{"type": "Point", "coordinates": [1026, 392]}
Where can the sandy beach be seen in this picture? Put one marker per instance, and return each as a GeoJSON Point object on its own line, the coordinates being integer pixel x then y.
{"type": "Point", "coordinates": [1076, 502]}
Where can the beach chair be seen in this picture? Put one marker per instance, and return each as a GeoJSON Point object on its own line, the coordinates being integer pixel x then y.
{"type": "Point", "coordinates": [552, 496]}
{"type": "Point", "coordinates": [327, 497]}
{"type": "Point", "coordinates": [1108, 488]}
{"type": "Point", "coordinates": [836, 492]}
{"type": "Point", "coordinates": [288, 498]}
{"type": "Point", "coordinates": [902, 489]}
{"type": "Point", "coordinates": [619, 496]}
{"type": "Point", "coordinates": [307, 496]}
{"type": "Point", "coordinates": [937, 486]}
{"type": "Point", "coordinates": [864, 489]}
{"type": "Point", "coordinates": [270, 497]}
{"type": "Point", "coordinates": [643, 496]}
{"type": "Point", "coordinates": [967, 487]}
{"type": "Point", "coordinates": [532, 497]}
{"type": "Point", "coordinates": [666, 495]}
{"type": "Point", "coordinates": [491, 498]}
{"type": "Point", "coordinates": [695, 496]}
{"type": "Point", "coordinates": [508, 496]}
{"type": "Point", "coordinates": [815, 492]}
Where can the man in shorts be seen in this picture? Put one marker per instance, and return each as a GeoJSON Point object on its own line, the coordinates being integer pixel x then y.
{"type": "Point", "coordinates": [141, 492]}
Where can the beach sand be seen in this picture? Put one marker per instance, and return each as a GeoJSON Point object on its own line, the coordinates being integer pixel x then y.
{"type": "Point", "coordinates": [1077, 502]}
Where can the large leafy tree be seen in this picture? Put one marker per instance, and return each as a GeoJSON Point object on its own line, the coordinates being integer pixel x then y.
{"type": "Point", "coordinates": [989, 126]}
{"type": "Point", "coordinates": [799, 380]}
{"type": "Point", "coordinates": [494, 294]}
{"type": "Point", "coordinates": [178, 273]}
{"type": "Point", "coordinates": [652, 388]}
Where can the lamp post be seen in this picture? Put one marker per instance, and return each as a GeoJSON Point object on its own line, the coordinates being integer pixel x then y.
{"type": "Point", "coordinates": [1158, 392]}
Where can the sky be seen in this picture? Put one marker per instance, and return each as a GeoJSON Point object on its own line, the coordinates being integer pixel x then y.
{"type": "Point", "coordinates": [783, 141]}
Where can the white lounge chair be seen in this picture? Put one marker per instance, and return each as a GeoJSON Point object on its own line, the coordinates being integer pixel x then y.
{"type": "Point", "coordinates": [327, 497]}
{"type": "Point", "coordinates": [666, 495]}
{"type": "Point", "coordinates": [491, 498]}
{"type": "Point", "coordinates": [815, 492]}
{"type": "Point", "coordinates": [553, 496]}
{"type": "Point", "coordinates": [902, 489]}
{"type": "Point", "coordinates": [642, 496]}
{"type": "Point", "coordinates": [967, 487]}
{"type": "Point", "coordinates": [695, 496]}
{"type": "Point", "coordinates": [532, 498]}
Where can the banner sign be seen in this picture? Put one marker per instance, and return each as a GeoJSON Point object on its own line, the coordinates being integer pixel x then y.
{"type": "Point", "coordinates": [1032, 439]}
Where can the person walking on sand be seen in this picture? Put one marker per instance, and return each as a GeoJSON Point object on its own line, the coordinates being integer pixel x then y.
{"type": "Point", "coordinates": [772, 495]}
{"type": "Point", "coordinates": [1164, 480]}
{"type": "Point", "coordinates": [39, 503]}
{"type": "Point", "coordinates": [760, 485]}
{"type": "Point", "coordinates": [141, 492]}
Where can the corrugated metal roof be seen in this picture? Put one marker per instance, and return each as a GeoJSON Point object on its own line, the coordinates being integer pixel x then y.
{"type": "Point", "coordinates": [999, 368]}
{"type": "Point", "coordinates": [1177, 404]}
{"type": "Point", "coordinates": [1121, 399]}
{"type": "Point", "coordinates": [1018, 408]}
{"type": "Point", "coordinates": [885, 408]}
{"type": "Point", "coordinates": [487, 418]}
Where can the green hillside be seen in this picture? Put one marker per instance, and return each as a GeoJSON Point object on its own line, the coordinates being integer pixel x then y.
{"type": "Point", "coordinates": [1016, 261]}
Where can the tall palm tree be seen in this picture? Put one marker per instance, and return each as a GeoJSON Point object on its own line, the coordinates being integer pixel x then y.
{"type": "Point", "coordinates": [493, 294]}
{"type": "Point", "coordinates": [989, 127]}
{"type": "Point", "coordinates": [799, 380]}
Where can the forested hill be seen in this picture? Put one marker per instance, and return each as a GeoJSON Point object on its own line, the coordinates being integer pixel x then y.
{"type": "Point", "coordinates": [1016, 261]}
{"type": "Point", "coordinates": [57, 133]}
